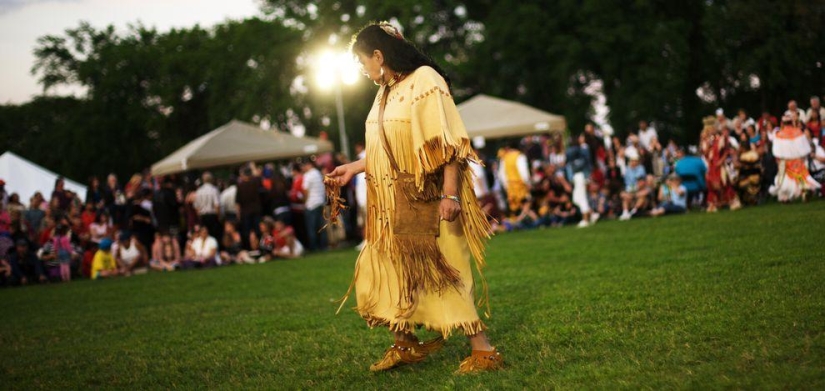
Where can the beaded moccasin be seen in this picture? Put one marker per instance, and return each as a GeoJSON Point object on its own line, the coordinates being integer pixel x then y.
{"type": "Point", "coordinates": [481, 361]}
{"type": "Point", "coordinates": [402, 353]}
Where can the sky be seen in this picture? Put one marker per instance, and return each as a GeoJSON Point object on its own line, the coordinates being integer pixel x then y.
{"type": "Point", "coordinates": [23, 21]}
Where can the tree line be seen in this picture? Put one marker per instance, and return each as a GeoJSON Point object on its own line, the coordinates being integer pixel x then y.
{"type": "Point", "coordinates": [149, 92]}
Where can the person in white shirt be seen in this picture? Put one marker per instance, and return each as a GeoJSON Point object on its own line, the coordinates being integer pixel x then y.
{"type": "Point", "coordinates": [207, 204]}
{"type": "Point", "coordinates": [229, 209]}
{"type": "Point", "coordinates": [815, 106]}
{"type": "Point", "coordinates": [203, 250]}
{"type": "Point", "coordinates": [480, 186]}
{"type": "Point", "coordinates": [315, 199]}
{"type": "Point", "coordinates": [646, 134]}
{"type": "Point", "coordinates": [793, 108]}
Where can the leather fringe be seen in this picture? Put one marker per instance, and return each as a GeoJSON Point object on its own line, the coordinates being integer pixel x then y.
{"type": "Point", "coordinates": [421, 267]}
{"type": "Point", "coordinates": [446, 330]}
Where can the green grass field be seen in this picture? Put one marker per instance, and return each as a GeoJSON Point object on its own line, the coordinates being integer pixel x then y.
{"type": "Point", "coordinates": [729, 300]}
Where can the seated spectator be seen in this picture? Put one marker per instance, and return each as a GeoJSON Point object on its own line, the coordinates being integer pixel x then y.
{"type": "Point", "coordinates": [634, 197]}
{"type": "Point", "coordinates": [598, 201]}
{"type": "Point", "coordinates": [130, 255]}
{"type": "Point", "coordinates": [89, 215]}
{"type": "Point", "coordinates": [233, 245]}
{"type": "Point", "coordinates": [286, 245]}
{"type": "Point", "coordinates": [49, 224]}
{"type": "Point", "coordinates": [6, 242]}
{"type": "Point", "coordinates": [5, 273]}
{"type": "Point", "coordinates": [691, 169]}
{"type": "Point", "coordinates": [638, 201]}
{"type": "Point", "coordinates": [203, 250]}
{"type": "Point", "coordinates": [25, 265]}
{"type": "Point", "coordinates": [104, 264]}
{"type": "Point", "coordinates": [87, 259]}
{"type": "Point", "coordinates": [564, 213]}
{"type": "Point", "coordinates": [80, 234]}
{"type": "Point", "coordinates": [100, 228]}
{"type": "Point", "coordinates": [263, 247]}
{"type": "Point", "coordinates": [672, 197]}
{"type": "Point", "coordinates": [166, 254]}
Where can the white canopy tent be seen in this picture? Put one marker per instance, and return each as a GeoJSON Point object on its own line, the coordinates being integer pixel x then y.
{"type": "Point", "coordinates": [489, 117]}
{"type": "Point", "coordinates": [235, 143]}
{"type": "Point", "coordinates": [26, 178]}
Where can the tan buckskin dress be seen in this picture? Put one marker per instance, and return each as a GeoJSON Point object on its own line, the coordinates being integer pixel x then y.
{"type": "Point", "coordinates": [425, 132]}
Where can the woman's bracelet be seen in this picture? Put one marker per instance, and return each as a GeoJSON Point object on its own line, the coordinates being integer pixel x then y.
{"type": "Point", "coordinates": [451, 197]}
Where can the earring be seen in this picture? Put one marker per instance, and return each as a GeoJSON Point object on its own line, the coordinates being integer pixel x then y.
{"type": "Point", "coordinates": [382, 73]}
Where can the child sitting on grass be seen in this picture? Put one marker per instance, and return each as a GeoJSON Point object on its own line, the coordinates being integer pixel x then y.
{"type": "Point", "coordinates": [286, 245]}
{"type": "Point", "coordinates": [103, 264]}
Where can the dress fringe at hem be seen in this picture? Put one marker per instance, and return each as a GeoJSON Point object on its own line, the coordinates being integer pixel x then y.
{"type": "Point", "coordinates": [467, 328]}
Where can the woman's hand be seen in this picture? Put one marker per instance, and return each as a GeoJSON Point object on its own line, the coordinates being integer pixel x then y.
{"type": "Point", "coordinates": [344, 173]}
{"type": "Point", "coordinates": [449, 209]}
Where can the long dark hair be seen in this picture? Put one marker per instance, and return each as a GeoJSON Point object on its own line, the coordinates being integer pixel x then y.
{"type": "Point", "coordinates": [400, 54]}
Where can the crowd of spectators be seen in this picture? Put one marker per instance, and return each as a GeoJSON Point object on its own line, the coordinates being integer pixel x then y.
{"type": "Point", "coordinates": [256, 214]}
{"type": "Point", "coordinates": [169, 223]}
{"type": "Point", "coordinates": [547, 181]}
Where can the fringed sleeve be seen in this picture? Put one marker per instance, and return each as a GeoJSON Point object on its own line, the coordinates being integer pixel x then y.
{"type": "Point", "coordinates": [439, 138]}
{"type": "Point", "coordinates": [438, 134]}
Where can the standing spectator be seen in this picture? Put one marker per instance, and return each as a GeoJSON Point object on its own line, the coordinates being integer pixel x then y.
{"type": "Point", "coordinates": [60, 198]}
{"type": "Point", "coordinates": [203, 250]}
{"type": "Point", "coordinates": [514, 175]}
{"type": "Point", "coordinates": [130, 255]}
{"type": "Point", "coordinates": [115, 200]}
{"type": "Point", "coordinates": [279, 194]}
{"type": "Point", "coordinates": [646, 135]}
{"type": "Point", "coordinates": [578, 169]}
{"type": "Point", "coordinates": [140, 218]}
{"type": "Point", "coordinates": [315, 196]}
{"type": "Point", "coordinates": [132, 188]}
{"type": "Point", "coordinates": [595, 143]}
{"type": "Point", "coordinates": [103, 263]}
{"type": "Point", "coordinates": [672, 197]}
{"type": "Point", "coordinates": [228, 200]}
{"type": "Point", "coordinates": [4, 196]}
{"type": "Point", "coordinates": [816, 106]}
{"type": "Point", "coordinates": [814, 125]}
{"type": "Point", "coordinates": [722, 121]}
{"type": "Point", "coordinates": [207, 204]}
{"type": "Point", "coordinates": [794, 109]}
{"type": "Point", "coordinates": [166, 207]}
{"type": "Point", "coordinates": [24, 264]}
{"type": "Point", "coordinates": [296, 199]}
{"type": "Point", "coordinates": [33, 217]}
{"type": "Point", "coordinates": [94, 193]}
{"type": "Point", "coordinates": [248, 201]}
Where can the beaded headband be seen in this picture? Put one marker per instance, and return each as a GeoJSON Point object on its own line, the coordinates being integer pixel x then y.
{"type": "Point", "coordinates": [391, 30]}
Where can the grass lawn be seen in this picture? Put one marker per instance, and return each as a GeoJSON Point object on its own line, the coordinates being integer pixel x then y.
{"type": "Point", "coordinates": [728, 300]}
